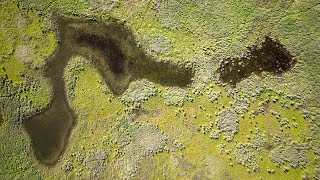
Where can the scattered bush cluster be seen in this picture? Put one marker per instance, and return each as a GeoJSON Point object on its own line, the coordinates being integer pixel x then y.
{"type": "Point", "coordinates": [149, 138]}
{"type": "Point", "coordinates": [245, 93]}
{"type": "Point", "coordinates": [175, 96]}
{"type": "Point", "coordinates": [294, 154]}
{"type": "Point", "coordinates": [285, 123]}
{"type": "Point", "coordinates": [1, 119]}
{"type": "Point", "coordinates": [205, 69]}
{"type": "Point", "coordinates": [67, 166]}
{"type": "Point", "coordinates": [228, 121]}
{"type": "Point", "coordinates": [276, 115]}
{"type": "Point", "coordinates": [315, 140]}
{"type": "Point", "coordinates": [270, 171]}
{"type": "Point", "coordinates": [74, 67]}
{"type": "Point", "coordinates": [88, 162]}
{"type": "Point", "coordinates": [228, 136]}
{"type": "Point", "coordinates": [245, 156]}
{"type": "Point", "coordinates": [245, 152]}
{"type": "Point", "coordinates": [136, 141]}
{"type": "Point", "coordinates": [212, 95]}
{"type": "Point", "coordinates": [138, 92]}
{"type": "Point", "coordinates": [317, 174]}
{"type": "Point", "coordinates": [103, 6]}
{"type": "Point", "coordinates": [19, 101]}
{"type": "Point", "coordinates": [221, 147]}
{"type": "Point", "coordinates": [178, 145]}
{"type": "Point", "coordinates": [157, 44]}
{"type": "Point", "coordinates": [186, 17]}
{"type": "Point", "coordinates": [241, 105]}
{"type": "Point", "coordinates": [258, 140]}
{"type": "Point", "coordinates": [95, 162]}
{"type": "Point", "coordinates": [251, 87]}
{"type": "Point", "coordinates": [276, 139]}
{"type": "Point", "coordinates": [215, 134]}
{"type": "Point", "coordinates": [16, 155]}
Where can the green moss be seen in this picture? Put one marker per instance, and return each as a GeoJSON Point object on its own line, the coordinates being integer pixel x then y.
{"type": "Point", "coordinates": [23, 28]}
{"type": "Point", "coordinates": [12, 68]}
{"type": "Point", "coordinates": [88, 95]}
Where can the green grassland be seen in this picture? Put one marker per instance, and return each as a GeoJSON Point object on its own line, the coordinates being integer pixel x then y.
{"type": "Point", "coordinates": [157, 132]}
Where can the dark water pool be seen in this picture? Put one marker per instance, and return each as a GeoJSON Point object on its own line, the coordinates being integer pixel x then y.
{"type": "Point", "coordinates": [270, 57]}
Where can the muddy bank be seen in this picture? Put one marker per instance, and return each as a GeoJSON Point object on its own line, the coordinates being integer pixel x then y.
{"type": "Point", "coordinates": [112, 49]}
{"type": "Point", "coordinates": [270, 57]}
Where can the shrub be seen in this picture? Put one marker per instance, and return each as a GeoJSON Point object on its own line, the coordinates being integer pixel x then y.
{"type": "Point", "coordinates": [175, 96]}
{"type": "Point", "coordinates": [138, 92]}
{"type": "Point", "coordinates": [294, 153]}
{"type": "Point", "coordinates": [228, 121]}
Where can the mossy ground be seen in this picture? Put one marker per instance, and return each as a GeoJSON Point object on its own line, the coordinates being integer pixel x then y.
{"type": "Point", "coordinates": [282, 109]}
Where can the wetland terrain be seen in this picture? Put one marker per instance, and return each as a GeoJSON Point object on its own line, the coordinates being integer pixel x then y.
{"type": "Point", "coordinates": [159, 89]}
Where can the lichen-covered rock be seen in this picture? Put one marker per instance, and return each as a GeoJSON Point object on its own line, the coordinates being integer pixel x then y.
{"type": "Point", "coordinates": [228, 120]}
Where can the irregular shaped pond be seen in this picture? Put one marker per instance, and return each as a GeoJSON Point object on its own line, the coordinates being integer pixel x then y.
{"type": "Point", "coordinates": [271, 57]}
{"type": "Point", "coordinates": [116, 56]}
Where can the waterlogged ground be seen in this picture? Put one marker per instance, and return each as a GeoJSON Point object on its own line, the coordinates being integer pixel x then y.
{"type": "Point", "coordinates": [159, 89]}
